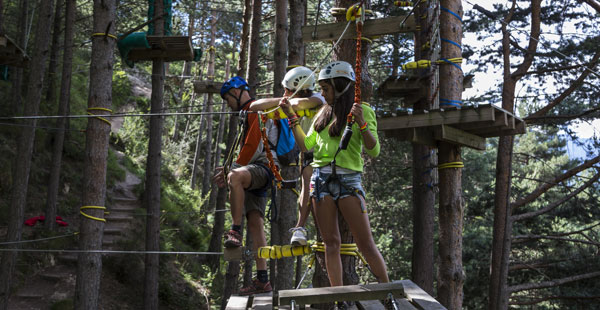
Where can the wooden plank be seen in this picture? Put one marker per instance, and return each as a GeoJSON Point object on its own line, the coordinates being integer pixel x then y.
{"type": "Point", "coordinates": [457, 136]}
{"type": "Point", "coordinates": [237, 303]}
{"type": "Point", "coordinates": [520, 128]}
{"type": "Point", "coordinates": [501, 121]}
{"type": "Point", "coordinates": [167, 55]}
{"type": "Point", "coordinates": [438, 117]}
{"type": "Point", "coordinates": [419, 297]}
{"type": "Point", "coordinates": [371, 28]}
{"type": "Point", "coordinates": [262, 302]}
{"type": "Point", "coordinates": [203, 87]}
{"type": "Point", "coordinates": [341, 293]}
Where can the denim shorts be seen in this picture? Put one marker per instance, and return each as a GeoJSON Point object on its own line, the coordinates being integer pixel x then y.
{"type": "Point", "coordinates": [321, 185]}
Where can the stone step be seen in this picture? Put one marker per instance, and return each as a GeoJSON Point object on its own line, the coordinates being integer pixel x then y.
{"type": "Point", "coordinates": [112, 231]}
{"type": "Point", "coordinates": [118, 218]}
{"type": "Point", "coordinates": [68, 258]}
{"type": "Point", "coordinates": [127, 201]}
{"type": "Point", "coordinates": [30, 295]}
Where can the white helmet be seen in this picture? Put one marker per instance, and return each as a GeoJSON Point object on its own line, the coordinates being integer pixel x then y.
{"type": "Point", "coordinates": [337, 69]}
{"type": "Point", "coordinates": [299, 77]}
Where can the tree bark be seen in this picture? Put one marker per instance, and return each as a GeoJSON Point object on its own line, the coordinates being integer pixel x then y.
{"type": "Point", "coordinates": [295, 44]}
{"type": "Point", "coordinates": [424, 157]}
{"type": "Point", "coordinates": [208, 166]}
{"type": "Point", "coordinates": [286, 200]}
{"type": "Point", "coordinates": [89, 265]}
{"type": "Point", "coordinates": [25, 147]}
{"type": "Point", "coordinates": [17, 82]}
{"type": "Point", "coordinates": [501, 242]}
{"type": "Point", "coordinates": [254, 47]}
{"type": "Point", "coordinates": [153, 174]}
{"type": "Point", "coordinates": [63, 103]}
{"type": "Point", "coordinates": [54, 47]}
{"type": "Point", "coordinates": [451, 274]}
{"type": "Point", "coordinates": [243, 60]}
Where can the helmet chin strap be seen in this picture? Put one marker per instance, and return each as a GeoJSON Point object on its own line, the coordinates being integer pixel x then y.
{"type": "Point", "coordinates": [336, 93]}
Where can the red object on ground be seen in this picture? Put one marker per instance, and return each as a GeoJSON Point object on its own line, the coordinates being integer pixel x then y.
{"type": "Point", "coordinates": [32, 221]}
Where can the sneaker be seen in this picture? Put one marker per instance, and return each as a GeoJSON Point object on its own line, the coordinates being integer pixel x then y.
{"type": "Point", "coordinates": [233, 239]}
{"type": "Point", "coordinates": [256, 287]}
{"type": "Point", "coordinates": [298, 236]}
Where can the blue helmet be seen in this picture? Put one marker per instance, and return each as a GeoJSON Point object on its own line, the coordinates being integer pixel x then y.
{"type": "Point", "coordinates": [234, 82]}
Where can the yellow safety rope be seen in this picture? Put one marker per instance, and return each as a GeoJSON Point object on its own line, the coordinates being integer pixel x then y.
{"type": "Point", "coordinates": [277, 111]}
{"type": "Point", "coordinates": [424, 63]}
{"type": "Point", "coordinates": [454, 164]}
{"type": "Point", "coordinates": [101, 34]}
{"type": "Point", "coordinates": [93, 217]}
{"type": "Point", "coordinates": [280, 251]}
{"type": "Point", "coordinates": [99, 117]}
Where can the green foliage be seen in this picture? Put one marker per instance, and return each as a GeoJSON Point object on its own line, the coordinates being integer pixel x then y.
{"type": "Point", "coordinates": [64, 304]}
{"type": "Point", "coordinates": [121, 89]}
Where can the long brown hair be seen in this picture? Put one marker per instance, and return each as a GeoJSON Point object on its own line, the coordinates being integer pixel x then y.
{"type": "Point", "coordinates": [340, 108]}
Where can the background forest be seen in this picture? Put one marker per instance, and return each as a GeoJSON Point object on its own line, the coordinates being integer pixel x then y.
{"type": "Point", "coordinates": [551, 255]}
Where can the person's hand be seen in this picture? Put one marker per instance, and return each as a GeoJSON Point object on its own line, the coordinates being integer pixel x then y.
{"type": "Point", "coordinates": [286, 107]}
{"type": "Point", "coordinates": [219, 177]}
{"type": "Point", "coordinates": [357, 112]}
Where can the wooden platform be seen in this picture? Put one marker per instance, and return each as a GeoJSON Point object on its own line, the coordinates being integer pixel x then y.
{"type": "Point", "coordinates": [11, 54]}
{"type": "Point", "coordinates": [205, 87]}
{"type": "Point", "coordinates": [468, 126]}
{"type": "Point", "coordinates": [407, 85]}
{"type": "Point", "coordinates": [371, 28]}
{"type": "Point", "coordinates": [169, 48]}
{"type": "Point", "coordinates": [407, 294]}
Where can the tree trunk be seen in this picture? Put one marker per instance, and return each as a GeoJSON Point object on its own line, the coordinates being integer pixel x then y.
{"type": "Point", "coordinates": [25, 147]}
{"type": "Point", "coordinates": [208, 166]}
{"type": "Point", "coordinates": [52, 65]}
{"type": "Point", "coordinates": [153, 175]}
{"type": "Point", "coordinates": [295, 44]}
{"type": "Point", "coordinates": [243, 60]}
{"type": "Point", "coordinates": [63, 103]}
{"type": "Point", "coordinates": [196, 162]}
{"type": "Point", "coordinates": [286, 200]}
{"type": "Point", "coordinates": [89, 265]}
{"type": "Point", "coordinates": [424, 157]}
{"type": "Point", "coordinates": [17, 82]}
{"type": "Point", "coordinates": [254, 47]}
{"type": "Point", "coordinates": [501, 242]}
{"type": "Point", "coordinates": [451, 275]}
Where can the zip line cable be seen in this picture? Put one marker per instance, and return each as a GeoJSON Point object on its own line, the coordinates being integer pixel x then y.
{"type": "Point", "coordinates": [492, 17]}
{"type": "Point", "coordinates": [113, 115]}
{"type": "Point", "coordinates": [110, 252]}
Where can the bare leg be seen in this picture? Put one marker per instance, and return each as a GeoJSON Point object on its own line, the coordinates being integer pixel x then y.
{"type": "Point", "coordinates": [238, 180]}
{"type": "Point", "coordinates": [361, 231]}
{"type": "Point", "coordinates": [305, 197]}
{"type": "Point", "coordinates": [256, 226]}
{"type": "Point", "coordinates": [327, 219]}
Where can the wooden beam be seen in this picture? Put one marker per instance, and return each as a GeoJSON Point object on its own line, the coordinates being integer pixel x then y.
{"type": "Point", "coordinates": [419, 297]}
{"type": "Point", "coordinates": [203, 87]}
{"type": "Point", "coordinates": [236, 254]}
{"type": "Point", "coordinates": [237, 303]}
{"type": "Point", "coordinates": [520, 128]}
{"type": "Point", "coordinates": [457, 136]}
{"type": "Point", "coordinates": [167, 55]}
{"type": "Point", "coordinates": [344, 293]}
{"type": "Point", "coordinates": [422, 136]}
{"type": "Point", "coordinates": [438, 117]}
{"type": "Point", "coordinates": [371, 28]}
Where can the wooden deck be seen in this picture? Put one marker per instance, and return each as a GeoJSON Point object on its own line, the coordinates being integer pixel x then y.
{"type": "Point", "coordinates": [169, 48]}
{"type": "Point", "coordinates": [205, 87]}
{"type": "Point", "coordinates": [11, 54]}
{"type": "Point", "coordinates": [467, 126]}
{"type": "Point", "coordinates": [407, 86]}
{"type": "Point", "coordinates": [371, 28]}
{"type": "Point", "coordinates": [407, 294]}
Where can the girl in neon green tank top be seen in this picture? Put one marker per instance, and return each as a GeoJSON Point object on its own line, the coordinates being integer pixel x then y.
{"type": "Point", "coordinates": [339, 186]}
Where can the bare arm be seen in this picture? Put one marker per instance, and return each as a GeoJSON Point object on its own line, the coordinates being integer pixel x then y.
{"type": "Point", "coordinates": [264, 104]}
{"type": "Point", "coordinates": [305, 103]}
